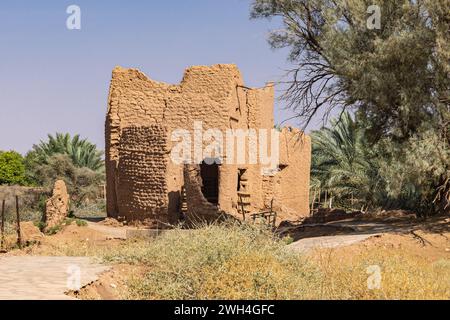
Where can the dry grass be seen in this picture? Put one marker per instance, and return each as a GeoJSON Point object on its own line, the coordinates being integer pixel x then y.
{"type": "Point", "coordinates": [242, 262]}
{"type": "Point", "coordinates": [403, 275]}
{"type": "Point", "coordinates": [73, 240]}
{"type": "Point", "coordinates": [216, 262]}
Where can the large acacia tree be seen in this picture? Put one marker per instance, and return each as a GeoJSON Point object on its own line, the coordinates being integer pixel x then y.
{"type": "Point", "coordinates": [396, 78]}
{"type": "Point", "coordinates": [397, 75]}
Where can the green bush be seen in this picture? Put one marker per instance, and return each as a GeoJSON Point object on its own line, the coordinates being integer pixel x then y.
{"type": "Point", "coordinates": [40, 225]}
{"type": "Point", "coordinates": [81, 223]}
{"type": "Point", "coordinates": [54, 230]}
{"type": "Point", "coordinates": [82, 183]}
{"type": "Point", "coordinates": [12, 168]}
{"type": "Point", "coordinates": [83, 153]}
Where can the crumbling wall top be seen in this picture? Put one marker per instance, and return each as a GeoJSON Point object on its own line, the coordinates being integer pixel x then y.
{"type": "Point", "coordinates": [193, 77]}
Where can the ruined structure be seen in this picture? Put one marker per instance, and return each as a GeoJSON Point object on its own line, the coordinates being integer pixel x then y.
{"type": "Point", "coordinates": [57, 206]}
{"type": "Point", "coordinates": [145, 184]}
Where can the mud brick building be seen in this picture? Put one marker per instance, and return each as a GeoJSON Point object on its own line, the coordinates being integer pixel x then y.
{"type": "Point", "coordinates": [144, 184]}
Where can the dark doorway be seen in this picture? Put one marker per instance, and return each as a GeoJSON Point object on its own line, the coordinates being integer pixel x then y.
{"type": "Point", "coordinates": [210, 179]}
{"type": "Point", "coordinates": [241, 172]}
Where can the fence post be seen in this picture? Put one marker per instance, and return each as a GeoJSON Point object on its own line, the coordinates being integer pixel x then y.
{"type": "Point", "coordinates": [3, 226]}
{"type": "Point", "coordinates": [312, 203]}
{"type": "Point", "coordinates": [19, 236]}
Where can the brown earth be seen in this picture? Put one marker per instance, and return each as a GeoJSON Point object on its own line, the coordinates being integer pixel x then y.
{"type": "Point", "coordinates": [431, 246]}
{"type": "Point", "coordinates": [72, 240]}
{"type": "Point", "coordinates": [431, 243]}
{"type": "Point", "coordinates": [112, 285]}
{"type": "Point", "coordinates": [111, 222]}
{"type": "Point", "coordinates": [424, 241]}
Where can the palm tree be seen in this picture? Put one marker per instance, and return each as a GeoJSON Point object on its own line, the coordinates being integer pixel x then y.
{"type": "Point", "coordinates": [342, 162]}
{"type": "Point", "coordinates": [81, 151]}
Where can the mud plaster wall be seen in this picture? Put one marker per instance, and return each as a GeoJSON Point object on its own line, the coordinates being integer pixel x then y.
{"type": "Point", "coordinates": [141, 174]}
{"type": "Point", "coordinates": [135, 100]}
{"type": "Point", "coordinates": [295, 153]}
{"type": "Point", "coordinates": [214, 95]}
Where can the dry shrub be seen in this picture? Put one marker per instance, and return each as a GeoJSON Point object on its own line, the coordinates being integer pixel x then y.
{"type": "Point", "coordinates": [404, 275]}
{"type": "Point", "coordinates": [244, 262]}
{"type": "Point", "coordinates": [217, 262]}
{"type": "Point", "coordinates": [259, 275]}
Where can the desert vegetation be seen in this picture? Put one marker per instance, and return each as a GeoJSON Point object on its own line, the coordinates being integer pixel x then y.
{"type": "Point", "coordinates": [12, 168]}
{"type": "Point", "coordinates": [361, 175]}
{"type": "Point", "coordinates": [245, 261]}
{"type": "Point", "coordinates": [394, 151]}
{"type": "Point", "coordinates": [31, 177]}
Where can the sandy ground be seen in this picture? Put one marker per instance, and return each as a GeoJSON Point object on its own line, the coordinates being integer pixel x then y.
{"type": "Point", "coordinates": [45, 278]}
{"type": "Point", "coordinates": [425, 240]}
{"type": "Point", "coordinates": [428, 240]}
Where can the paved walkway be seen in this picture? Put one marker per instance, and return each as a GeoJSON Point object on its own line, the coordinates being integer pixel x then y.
{"type": "Point", "coordinates": [306, 244]}
{"type": "Point", "coordinates": [362, 231]}
{"type": "Point", "coordinates": [45, 278]}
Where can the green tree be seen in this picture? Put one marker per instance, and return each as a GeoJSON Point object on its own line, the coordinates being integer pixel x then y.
{"type": "Point", "coordinates": [390, 174]}
{"type": "Point", "coordinates": [416, 172]}
{"type": "Point", "coordinates": [81, 151]}
{"type": "Point", "coordinates": [344, 165]}
{"type": "Point", "coordinates": [82, 183]}
{"type": "Point", "coordinates": [396, 79]}
{"type": "Point", "coordinates": [76, 161]}
{"type": "Point", "coordinates": [396, 76]}
{"type": "Point", "coordinates": [12, 168]}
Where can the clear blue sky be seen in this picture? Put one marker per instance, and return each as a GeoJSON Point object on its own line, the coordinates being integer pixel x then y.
{"type": "Point", "coordinates": [56, 80]}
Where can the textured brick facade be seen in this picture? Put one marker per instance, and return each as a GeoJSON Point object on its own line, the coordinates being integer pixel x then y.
{"type": "Point", "coordinates": [142, 181]}
{"type": "Point", "coordinates": [142, 173]}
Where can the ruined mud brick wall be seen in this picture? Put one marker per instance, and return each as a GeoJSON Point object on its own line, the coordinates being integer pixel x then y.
{"type": "Point", "coordinates": [141, 179]}
{"type": "Point", "coordinates": [215, 95]}
{"type": "Point", "coordinates": [204, 94]}
{"type": "Point", "coordinates": [294, 177]}
{"type": "Point", "coordinates": [199, 210]}
{"type": "Point", "coordinates": [289, 187]}
{"type": "Point", "coordinates": [57, 206]}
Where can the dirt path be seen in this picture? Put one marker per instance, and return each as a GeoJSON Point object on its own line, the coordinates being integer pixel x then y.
{"type": "Point", "coordinates": [307, 244]}
{"type": "Point", "coordinates": [348, 232]}
{"type": "Point", "coordinates": [45, 278]}
{"type": "Point", "coordinates": [355, 232]}
{"type": "Point", "coordinates": [109, 231]}
{"type": "Point", "coordinates": [123, 232]}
